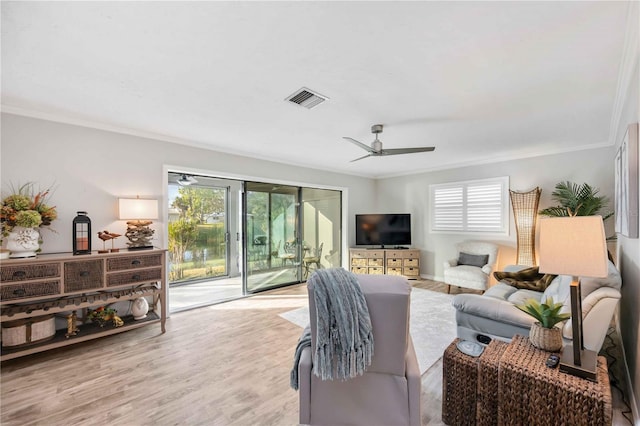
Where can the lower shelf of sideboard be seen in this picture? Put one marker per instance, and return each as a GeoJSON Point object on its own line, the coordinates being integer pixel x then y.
{"type": "Point", "coordinates": [87, 332]}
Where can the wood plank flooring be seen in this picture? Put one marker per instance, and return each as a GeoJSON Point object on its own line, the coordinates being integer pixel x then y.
{"type": "Point", "coordinates": [226, 364]}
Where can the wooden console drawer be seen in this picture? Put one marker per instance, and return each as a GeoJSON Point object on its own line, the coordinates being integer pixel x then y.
{"type": "Point", "coordinates": [376, 271]}
{"type": "Point", "coordinates": [394, 271]}
{"type": "Point", "coordinates": [133, 262]}
{"type": "Point", "coordinates": [358, 262]}
{"type": "Point", "coordinates": [410, 262]}
{"type": "Point", "coordinates": [411, 272]}
{"type": "Point", "coordinates": [28, 290]}
{"type": "Point", "coordinates": [29, 272]}
{"type": "Point", "coordinates": [376, 262]}
{"type": "Point", "coordinates": [83, 275]}
{"type": "Point", "coordinates": [359, 270]}
{"type": "Point", "coordinates": [394, 263]}
{"type": "Point", "coordinates": [134, 277]}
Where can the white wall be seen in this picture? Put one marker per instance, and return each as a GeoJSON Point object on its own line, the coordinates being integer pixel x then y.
{"type": "Point", "coordinates": [411, 194]}
{"type": "Point", "coordinates": [629, 252]}
{"type": "Point", "coordinates": [92, 168]}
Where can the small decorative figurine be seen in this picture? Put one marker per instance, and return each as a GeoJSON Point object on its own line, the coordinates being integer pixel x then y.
{"type": "Point", "coordinates": [106, 236]}
{"type": "Point", "coordinates": [72, 329]}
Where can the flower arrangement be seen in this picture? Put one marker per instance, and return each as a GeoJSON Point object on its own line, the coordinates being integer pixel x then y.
{"type": "Point", "coordinates": [102, 316]}
{"type": "Point", "coordinates": [26, 208]}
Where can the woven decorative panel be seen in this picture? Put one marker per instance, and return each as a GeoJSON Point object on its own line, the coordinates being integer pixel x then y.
{"type": "Point", "coordinates": [487, 404]}
{"type": "Point", "coordinates": [525, 215]}
{"type": "Point", "coordinates": [133, 262]}
{"type": "Point", "coordinates": [530, 393]}
{"type": "Point", "coordinates": [29, 272]}
{"type": "Point", "coordinates": [459, 386]}
{"type": "Point", "coordinates": [27, 290]}
{"type": "Point", "coordinates": [84, 275]}
{"type": "Point", "coordinates": [134, 277]}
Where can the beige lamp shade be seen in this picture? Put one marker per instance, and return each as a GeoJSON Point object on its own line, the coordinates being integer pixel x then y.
{"type": "Point", "coordinates": [137, 209]}
{"type": "Point", "coordinates": [573, 246]}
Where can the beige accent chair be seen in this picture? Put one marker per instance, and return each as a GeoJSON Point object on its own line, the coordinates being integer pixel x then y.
{"type": "Point", "coordinates": [473, 266]}
{"type": "Point", "coordinates": [388, 393]}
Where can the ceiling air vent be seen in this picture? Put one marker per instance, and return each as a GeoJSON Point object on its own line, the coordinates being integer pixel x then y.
{"type": "Point", "coordinates": [306, 98]}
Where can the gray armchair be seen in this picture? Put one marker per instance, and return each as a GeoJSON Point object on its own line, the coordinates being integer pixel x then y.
{"type": "Point", "coordinates": [389, 391]}
{"type": "Point", "coordinates": [473, 266]}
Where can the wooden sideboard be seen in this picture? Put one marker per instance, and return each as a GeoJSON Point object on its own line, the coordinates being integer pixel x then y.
{"type": "Point", "coordinates": [404, 262]}
{"type": "Point", "coordinates": [57, 284]}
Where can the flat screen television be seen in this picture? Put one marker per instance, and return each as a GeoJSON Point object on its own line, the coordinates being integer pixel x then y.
{"type": "Point", "coordinates": [383, 229]}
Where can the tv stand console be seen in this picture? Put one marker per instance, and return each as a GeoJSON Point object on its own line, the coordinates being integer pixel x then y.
{"type": "Point", "coordinates": [404, 261]}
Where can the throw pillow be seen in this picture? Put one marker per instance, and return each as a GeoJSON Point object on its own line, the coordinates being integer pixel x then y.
{"type": "Point", "coordinates": [478, 260]}
{"type": "Point", "coordinates": [529, 279]}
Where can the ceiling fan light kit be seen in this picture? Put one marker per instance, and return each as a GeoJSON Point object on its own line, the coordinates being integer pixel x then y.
{"type": "Point", "coordinates": [376, 150]}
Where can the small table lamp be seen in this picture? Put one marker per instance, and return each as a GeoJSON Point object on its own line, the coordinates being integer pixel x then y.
{"type": "Point", "coordinates": [575, 246]}
{"type": "Point", "coordinates": [139, 213]}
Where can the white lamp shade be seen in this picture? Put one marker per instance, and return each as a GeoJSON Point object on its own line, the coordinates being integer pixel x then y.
{"type": "Point", "coordinates": [573, 246]}
{"type": "Point", "coordinates": [137, 209]}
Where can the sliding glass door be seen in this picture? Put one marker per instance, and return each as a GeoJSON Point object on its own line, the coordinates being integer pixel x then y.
{"type": "Point", "coordinates": [290, 232]}
{"type": "Point", "coordinates": [271, 228]}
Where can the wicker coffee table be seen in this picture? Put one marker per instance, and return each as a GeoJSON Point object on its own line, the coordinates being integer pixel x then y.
{"type": "Point", "coordinates": [530, 393]}
{"type": "Point", "coordinates": [463, 376]}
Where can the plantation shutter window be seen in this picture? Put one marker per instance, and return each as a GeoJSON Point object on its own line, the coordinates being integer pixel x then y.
{"type": "Point", "coordinates": [472, 206]}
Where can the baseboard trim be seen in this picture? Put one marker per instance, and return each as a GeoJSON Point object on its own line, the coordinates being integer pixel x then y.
{"type": "Point", "coordinates": [632, 399]}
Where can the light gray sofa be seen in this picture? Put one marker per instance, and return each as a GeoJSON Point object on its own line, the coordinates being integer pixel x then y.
{"type": "Point", "coordinates": [388, 393]}
{"type": "Point", "coordinates": [494, 314]}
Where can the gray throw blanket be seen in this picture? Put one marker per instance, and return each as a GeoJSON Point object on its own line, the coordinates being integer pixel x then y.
{"type": "Point", "coordinates": [344, 347]}
{"type": "Point", "coordinates": [344, 338]}
{"type": "Point", "coordinates": [303, 342]}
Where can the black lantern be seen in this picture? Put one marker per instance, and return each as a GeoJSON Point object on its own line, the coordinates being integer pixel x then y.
{"type": "Point", "coordinates": [82, 234]}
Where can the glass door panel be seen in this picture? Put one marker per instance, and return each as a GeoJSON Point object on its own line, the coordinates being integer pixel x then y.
{"type": "Point", "coordinates": [321, 229]}
{"type": "Point", "coordinates": [271, 228]}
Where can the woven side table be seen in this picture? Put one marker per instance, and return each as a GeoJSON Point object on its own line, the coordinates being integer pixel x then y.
{"type": "Point", "coordinates": [530, 393]}
{"type": "Point", "coordinates": [487, 403]}
{"type": "Point", "coordinates": [459, 386]}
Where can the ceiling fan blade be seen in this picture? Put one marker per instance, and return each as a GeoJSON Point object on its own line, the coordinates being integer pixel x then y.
{"type": "Point", "coordinates": [360, 144]}
{"type": "Point", "coordinates": [360, 158]}
{"type": "Point", "coordinates": [397, 151]}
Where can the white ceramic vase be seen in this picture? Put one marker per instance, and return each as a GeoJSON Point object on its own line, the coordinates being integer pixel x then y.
{"type": "Point", "coordinates": [23, 242]}
{"type": "Point", "coordinates": [140, 308]}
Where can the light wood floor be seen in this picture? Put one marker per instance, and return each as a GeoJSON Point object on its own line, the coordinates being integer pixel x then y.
{"type": "Point", "coordinates": [226, 364]}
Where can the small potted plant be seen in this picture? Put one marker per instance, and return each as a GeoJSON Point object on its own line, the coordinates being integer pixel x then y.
{"type": "Point", "coordinates": [544, 334]}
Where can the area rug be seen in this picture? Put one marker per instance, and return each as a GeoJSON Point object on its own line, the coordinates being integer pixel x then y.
{"type": "Point", "coordinates": [432, 324]}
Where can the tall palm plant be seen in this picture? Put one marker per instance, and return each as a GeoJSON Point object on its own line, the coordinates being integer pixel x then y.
{"type": "Point", "coordinates": [577, 200]}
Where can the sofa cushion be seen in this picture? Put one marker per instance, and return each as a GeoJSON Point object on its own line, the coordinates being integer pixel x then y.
{"type": "Point", "coordinates": [500, 291]}
{"type": "Point", "coordinates": [478, 260]}
{"type": "Point", "coordinates": [529, 278]}
{"type": "Point", "coordinates": [521, 296]}
{"type": "Point", "coordinates": [589, 284]}
{"type": "Point", "coordinates": [559, 291]}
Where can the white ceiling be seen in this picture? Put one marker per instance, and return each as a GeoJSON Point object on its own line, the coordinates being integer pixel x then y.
{"type": "Point", "coordinates": [478, 80]}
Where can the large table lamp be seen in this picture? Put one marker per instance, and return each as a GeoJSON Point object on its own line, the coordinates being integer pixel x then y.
{"type": "Point", "coordinates": [575, 246]}
{"type": "Point", "coordinates": [139, 213]}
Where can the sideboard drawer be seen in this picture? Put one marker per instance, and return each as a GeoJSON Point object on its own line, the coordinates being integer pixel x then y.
{"type": "Point", "coordinates": [29, 272]}
{"type": "Point", "coordinates": [394, 263]}
{"type": "Point", "coordinates": [134, 277]}
{"type": "Point", "coordinates": [359, 270]}
{"type": "Point", "coordinates": [83, 275]}
{"type": "Point", "coordinates": [410, 262]}
{"type": "Point", "coordinates": [376, 262]}
{"type": "Point", "coordinates": [28, 290]}
{"type": "Point", "coordinates": [358, 262]}
{"type": "Point", "coordinates": [133, 262]}
{"type": "Point", "coordinates": [411, 272]}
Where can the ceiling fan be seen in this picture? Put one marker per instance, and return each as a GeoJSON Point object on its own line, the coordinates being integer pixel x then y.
{"type": "Point", "coordinates": [186, 180]}
{"type": "Point", "coordinates": [375, 150]}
